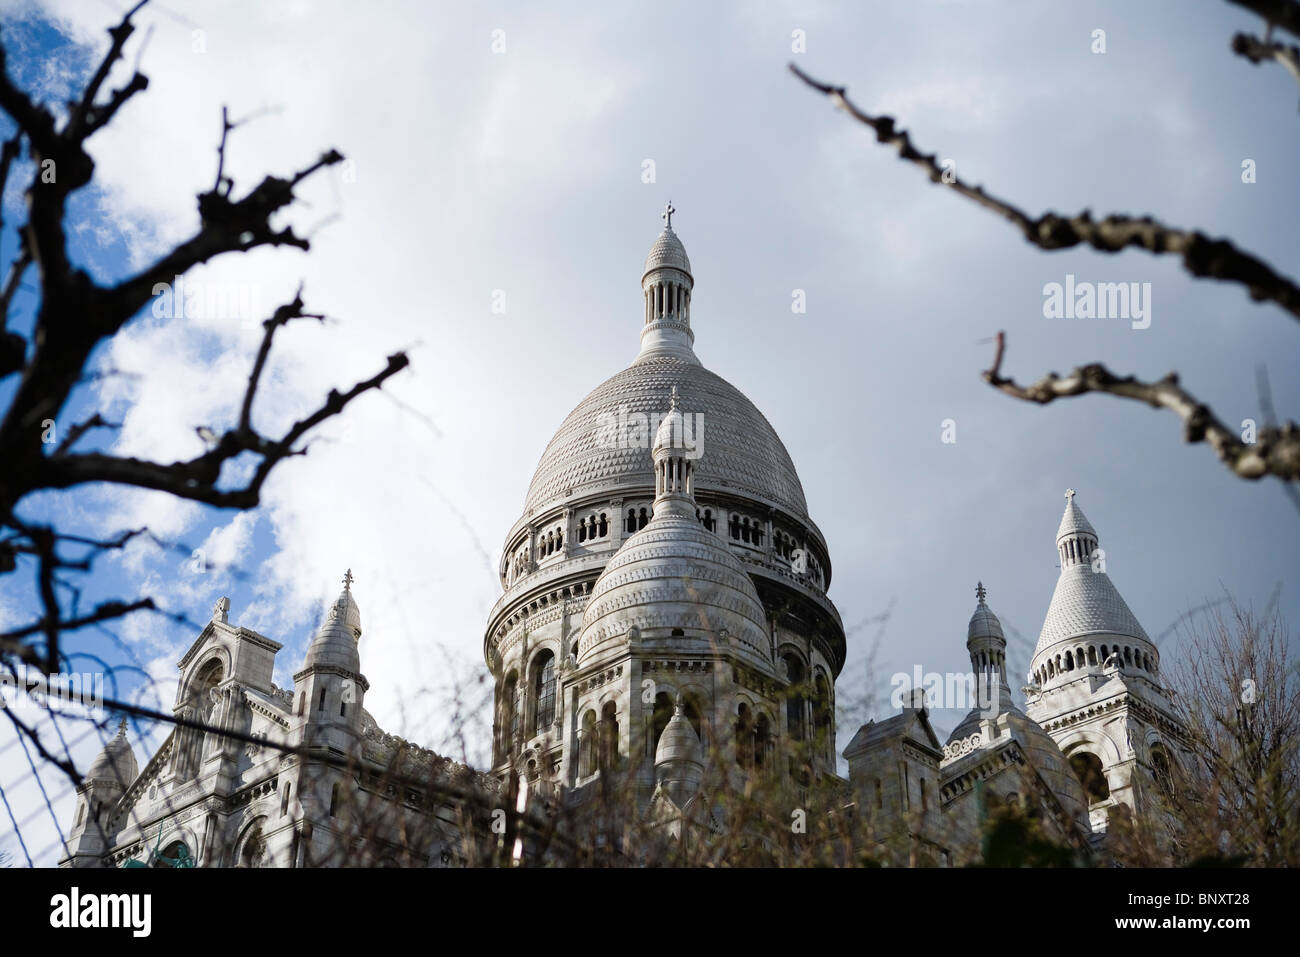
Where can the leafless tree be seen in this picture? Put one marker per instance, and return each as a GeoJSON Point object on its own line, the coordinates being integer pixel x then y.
{"type": "Point", "coordinates": [75, 315]}
{"type": "Point", "coordinates": [1275, 449]}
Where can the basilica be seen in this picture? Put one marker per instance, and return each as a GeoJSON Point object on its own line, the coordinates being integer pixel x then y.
{"type": "Point", "coordinates": [665, 622]}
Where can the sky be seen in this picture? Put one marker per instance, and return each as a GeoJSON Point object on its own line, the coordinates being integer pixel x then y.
{"type": "Point", "coordinates": [498, 154]}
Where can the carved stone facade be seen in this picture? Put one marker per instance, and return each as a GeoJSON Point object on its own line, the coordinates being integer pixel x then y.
{"type": "Point", "coordinates": [238, 799]}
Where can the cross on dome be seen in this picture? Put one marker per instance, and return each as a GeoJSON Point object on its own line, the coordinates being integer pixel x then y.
{"type": "Point", "coordinates": [980, 592]}
{"type": "Point", "coordinates": [348, 580]}
{"type": "Point", "coordinates": [1069, 495]}
{"type": "Point", "coordinates": [667, 214]}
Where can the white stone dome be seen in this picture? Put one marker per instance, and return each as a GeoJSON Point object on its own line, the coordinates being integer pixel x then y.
{"type": "Point", "coordinates": [743, 453]}
{"type": "Point", "coordinates": [335, 644]}
{"type": "Point", "coordinates": [675, 575]}
{"type": "Point", "coordinates": [116, 764]}
{"type": "Point", "coordinates": [667, 252]}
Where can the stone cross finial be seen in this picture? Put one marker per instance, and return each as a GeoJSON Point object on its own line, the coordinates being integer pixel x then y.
{"type": "Point", "coordinates": [980, 592]}
{"type": "Point", "coordinates": [667, 215]}
{"type": "Point", "coordinates": [1069, 495]}
{"type": "Point", "coordinates": [347, 580]}
{"type": "Point", "coordinates": [121, 727]}
{"type": "Point", "coordinates": [221, 609]}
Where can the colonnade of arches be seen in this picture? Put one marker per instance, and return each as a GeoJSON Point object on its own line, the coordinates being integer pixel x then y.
{"type": "Point", "coordinates": [1090, 655]}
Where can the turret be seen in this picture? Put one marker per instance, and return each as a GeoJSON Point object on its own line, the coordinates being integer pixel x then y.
{"type": "Point", "coordinates": [329, 690]}
{"type": "Point", "coordinates": [679, 767]}
{"type": "Point", "coordinates": [666, 283]}
{"type": "Point", "coordinates": [106, 780]}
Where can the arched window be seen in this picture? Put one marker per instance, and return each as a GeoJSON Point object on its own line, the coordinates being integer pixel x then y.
{"type": "Point", "coordinates": [642, 520]}
{"type": "Point", "coordinates": [734, 527]}
{"type": "Point", "coordinates": [543, 691]}
{"type": "Point", "coordinates": [823, 714]}
{"type": "Point", "coordinates": [694, 714]}
{"type": "Point", "coordinates": [1069, 661]}
{"type": "Point", "coordinates": [176, 854]}
{"type": "Point", "coordinates": [302, 702]}
{"type": "Point", "coordinates": [794, 699]}
{"type": "Point", "coordinates": [582, 530]}
{"type": "Point", "coordinates": [631, 520]}
{"type": "Point", "coordinates": [762, 740]}
{"type": "Point", "coordinates": [744, 530]}
{"type": "Point", "coordinates": [284, 799]}
{"type": "Point", "coordinates": [587, 745]}
{"type": "Point", "coordinates": [1162, 768]}
{"type": "Point", "coordinates": [320, 706]}
{"type": "Point", "coordinates": [744, 737]}
{"type": "Point", "coordinates": [604, 526]}
{"type": "Point", "coordinates": [1092, 654]}
{"type": "Point", "coordinates": [659, 718]}
{"type": "Point", "coordinates": [1087, 767]}
{"type": "Point", "coordinates": [509, 716]}
{"type": "Point", "coordinates": [609, 736]}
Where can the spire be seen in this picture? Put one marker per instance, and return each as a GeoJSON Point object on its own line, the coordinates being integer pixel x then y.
{"type": "Point", "coordinates": [336, 641]}
{"type": "Point", "coordinates": [674, 470]}
{"type": "Point", "coordinates": [667, 283]}
{"type": "Point", "coordinates": [1086, 601]}
{"type": "Point", "coordinates": [988, 649]}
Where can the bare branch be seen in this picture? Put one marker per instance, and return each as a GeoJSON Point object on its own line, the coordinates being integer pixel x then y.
{"type": "Point", "coordinates": [197, 478]}
{"type": "Point", "coordinates": [1201, 255]}
{"type": "Point", "coordinates": [84, 119]}
{"type": "Point", "coordinates": [281, 317]}
{"type": "Point", "coordinates": [1276, 451]}
{"type": "Point", "coordinates": [1282, 13]}
{"type": "Point", "coordinates": [1258, 51]}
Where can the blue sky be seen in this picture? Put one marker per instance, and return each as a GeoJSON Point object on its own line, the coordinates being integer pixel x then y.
{"type": "Point", "coordinates": [521, 171]}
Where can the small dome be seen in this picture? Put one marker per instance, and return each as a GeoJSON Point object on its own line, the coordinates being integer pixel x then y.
{"type": "Point", "coordinates": [679, 742]}
{"type": "Point", "coordinates": [667, 253]}
{"type": "Point", "coordinates": [335, 645]}
{"type": "Point", "coordinates": [669, 435]}
{"type": "Point", "coordinates": [983, 623]}
{"type": "Point", "coordinates": [116, 764]}
{"type": "Point", "coordinates": [674, 575]}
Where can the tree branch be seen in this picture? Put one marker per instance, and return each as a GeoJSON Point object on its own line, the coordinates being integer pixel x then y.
{"type": "Point", "coordinates": [1282, 13]}
{"type": "Point", "coordinates": [1257, 51]}
{"type": "Point", "coordinates": [1276, 451]}
{"type": "Point", "coordinates": [1201, 255]}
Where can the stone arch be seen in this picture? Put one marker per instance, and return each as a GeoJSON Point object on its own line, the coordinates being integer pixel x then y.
{"type": "Point", "coordinates": [1096, 741]}
{"type": "Point", "coordinates": [251, 849]}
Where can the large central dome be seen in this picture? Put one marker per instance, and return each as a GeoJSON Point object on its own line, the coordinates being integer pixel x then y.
{"type": "Point", "coordinates": [742, 452]}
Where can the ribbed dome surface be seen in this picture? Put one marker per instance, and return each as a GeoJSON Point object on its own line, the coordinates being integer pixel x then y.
{"type": "Point", "coordinates": [675, 574]}
{"type": "Point", "coordinates": [1045, 756]}
{"type": "Point", "coordinates": [679, 742]}
{"type": "Point", "coordinates": [667, 251]}
{"type": "Point", "coordinates": [742, 452]}
{"type": "Point", "coordinates": [116, 764]}
{"type": "Point", "coordinates": [1074, 522]}
{"type": "Point", "coordinates": [1086, 602]}
{"type": "Point", "coordinates": [335, 645]}
{"type": "Point", "coordinates": [984, 624]}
